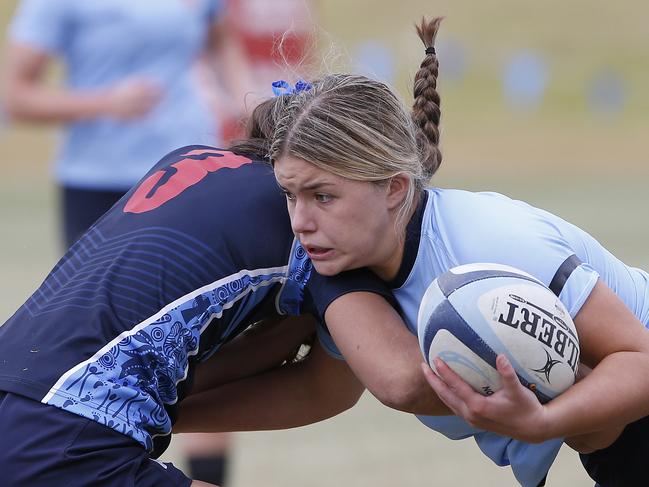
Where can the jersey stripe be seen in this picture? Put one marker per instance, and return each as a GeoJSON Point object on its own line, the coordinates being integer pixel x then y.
{"type": "Point", "coordinates": [563, 273]}
{"type": "Point", "coordinates": [142, 366]}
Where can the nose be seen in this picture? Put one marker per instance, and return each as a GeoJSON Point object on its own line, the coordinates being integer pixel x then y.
{"type": "Point", "coordinates": [302, 220]}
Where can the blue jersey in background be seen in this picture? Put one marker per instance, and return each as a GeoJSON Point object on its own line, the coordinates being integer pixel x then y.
{"type": "Point", "coordinates": [103, 42]}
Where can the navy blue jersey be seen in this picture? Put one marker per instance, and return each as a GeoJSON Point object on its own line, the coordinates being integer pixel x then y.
{"type": "Point", "coordinates": [185, 261]}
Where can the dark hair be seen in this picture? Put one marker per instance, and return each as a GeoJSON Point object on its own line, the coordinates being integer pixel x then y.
{"type": "Point", "coordinates": [260, 128]}
{"type": "Point", "coordinates": [426, 108]}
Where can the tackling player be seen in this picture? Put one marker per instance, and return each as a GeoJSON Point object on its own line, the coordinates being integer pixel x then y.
{"type": "Point", "coordinates": [95, 363]}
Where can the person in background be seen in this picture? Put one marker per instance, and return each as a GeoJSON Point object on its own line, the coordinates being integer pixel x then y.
{"type": "Point", "coordinates": [129, 95]}
{"type": "Point", "coordinates": [277, 40]}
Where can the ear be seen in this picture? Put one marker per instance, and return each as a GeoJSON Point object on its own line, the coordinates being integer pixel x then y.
{"type": "Point", "coordinates": [398, 190]}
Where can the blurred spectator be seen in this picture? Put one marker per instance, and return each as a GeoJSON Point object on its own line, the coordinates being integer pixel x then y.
{"type": "Point", "coordinates": [129, 93]}
{"type": "Point", "coordinates": [454, 56]}
{"type": "Point", "coordinates": [376, 60]}
{"type": "Point", "coordinates": [277, 40]}
{"type": "Point", "coordinates": [128, 97]}
{"type": "Point", "coordinates": [606, 92]}
{"type": "Point", "coordinates": [525, 80]}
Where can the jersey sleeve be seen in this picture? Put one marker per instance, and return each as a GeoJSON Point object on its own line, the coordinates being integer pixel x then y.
{"type": "Point", "coordinates": [41, 24]}
{"type": "Point", "coordinates": [322, 291]}
{"type": "Point", "coordinates": [504, 231]}
{"type": "Point", "coordinates": [327, 342]}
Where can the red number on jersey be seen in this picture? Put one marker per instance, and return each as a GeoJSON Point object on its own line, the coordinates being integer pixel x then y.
{"type": "Point", "coordinates": [165, 185]}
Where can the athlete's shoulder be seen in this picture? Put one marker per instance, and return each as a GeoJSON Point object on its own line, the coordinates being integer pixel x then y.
{"type": "Point", "coordinates": [216, 155]}
{"type": "Point", "coordinates": [490, 227]}
{"type": "Point", "coordinates": [196, 173]}
{"type": "Point", "coordinates": [458, 200]}
{"type": "Point", "coordinates": [476, 211]}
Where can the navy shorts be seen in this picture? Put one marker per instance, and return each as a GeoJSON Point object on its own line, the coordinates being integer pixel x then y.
{"type": "Point", "coordinates": [625, 463]}
{"type": "Point", "coordinates": [43, 446]}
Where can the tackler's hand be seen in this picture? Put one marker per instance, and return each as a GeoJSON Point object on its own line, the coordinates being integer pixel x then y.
{"type": "Point", "coordinates": [512, 411]}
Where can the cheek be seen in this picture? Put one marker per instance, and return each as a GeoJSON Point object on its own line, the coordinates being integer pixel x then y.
{"type": "Point", "coordinates": [361, 231]}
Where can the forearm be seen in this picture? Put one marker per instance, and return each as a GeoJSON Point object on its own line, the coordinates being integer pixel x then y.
{"type": "Point", "coordinates": [260, 348]}
{"type": "Point", "coordinates": [589, 442]}
{"type": "Point", "coordinates": [37, 103]}
{"type": "Point", "coordinates": [422, 401]}
{"type": "Point", "coordinates": [402, 386]}
{"type": "Point", "coordinates": [293, 395]}
{"type": "Point", "coordinates": [604, 400]}
{"type": "Point", "coordinates": [382, 352]}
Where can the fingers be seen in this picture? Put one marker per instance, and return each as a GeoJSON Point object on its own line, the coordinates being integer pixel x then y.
{"type": "Point", "coordinates": [133, 98]}
{"type": "Point", "coordinates": [507, 373]}
{"type": "Point", "coordinates": [440, 387]}
{"type": "Point", "coordinates": [450, 387]}
{"type": "Point", "coordinates": [511, 383]}
{"type": "Point", "coordinates": [512, 411]}
{"type": "Point", "coordinates": [432, 378]}
{"type": "Point", "coordinates": [454, 381]}
{"type": "Point", "coordinates": [446, 376]}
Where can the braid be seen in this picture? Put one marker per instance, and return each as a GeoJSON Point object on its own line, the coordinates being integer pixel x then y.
{"type": "Point", "coordinates": [426, 108]}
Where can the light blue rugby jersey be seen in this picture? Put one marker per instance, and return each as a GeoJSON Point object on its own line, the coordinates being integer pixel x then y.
{"type": "Point", "coordinates": [456, 227]}
{"type": "Point", "coordinates": [103, 42]}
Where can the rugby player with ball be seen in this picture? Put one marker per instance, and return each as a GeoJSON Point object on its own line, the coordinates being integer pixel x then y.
{"type": "Point", "coordinates": [354, 164]}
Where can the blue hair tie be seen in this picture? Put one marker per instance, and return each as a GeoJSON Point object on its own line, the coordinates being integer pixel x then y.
{"type": "Point", "coordinates": [281, 87]}
{"type": "Point", "coordinates": [302, 85]}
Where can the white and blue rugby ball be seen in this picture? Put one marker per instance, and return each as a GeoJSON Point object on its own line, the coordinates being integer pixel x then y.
{"type": "Point", "coordinates": [474, 312]}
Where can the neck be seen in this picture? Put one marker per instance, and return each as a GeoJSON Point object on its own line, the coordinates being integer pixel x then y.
{"type": "Point", "coordinates": [387, 270]}
{"type": "Point", "coordinates": [389, 266]}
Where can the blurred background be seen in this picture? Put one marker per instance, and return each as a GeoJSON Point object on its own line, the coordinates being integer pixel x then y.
{"type": "Point", "coordinates": [542, 101]}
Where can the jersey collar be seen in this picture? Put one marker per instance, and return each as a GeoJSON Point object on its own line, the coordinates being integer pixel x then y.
{"type": "Point", "coordinates": [411, 245]}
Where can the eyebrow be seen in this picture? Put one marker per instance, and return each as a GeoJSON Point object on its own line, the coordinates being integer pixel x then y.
{"type": "Point", "coordinates": [316, 185]}
{"type": "Point", "coordinates": [310, 186]}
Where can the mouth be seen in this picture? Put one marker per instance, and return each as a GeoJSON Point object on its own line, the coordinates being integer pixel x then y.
{"type": "Point", "coordinates": [318, 253]}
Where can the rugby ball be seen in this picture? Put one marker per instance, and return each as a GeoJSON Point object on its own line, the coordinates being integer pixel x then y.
{"type": "Point", "coordinates": [472, 313]}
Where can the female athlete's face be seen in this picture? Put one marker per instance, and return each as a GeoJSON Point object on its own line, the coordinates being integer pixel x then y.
{"type": "Point", "coordinates": [341, 223]}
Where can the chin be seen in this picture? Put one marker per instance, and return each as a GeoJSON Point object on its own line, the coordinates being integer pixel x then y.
{"type": "Point", "coordinates": [326, 269]}
{"type": "Point", "coordinates": [332, 268]}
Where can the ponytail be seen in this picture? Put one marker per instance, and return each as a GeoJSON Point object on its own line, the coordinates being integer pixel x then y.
{"type": "Point", "coordinates": [426, 108]}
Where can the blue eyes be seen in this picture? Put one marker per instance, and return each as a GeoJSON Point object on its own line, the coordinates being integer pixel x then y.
{"type": "Point", "coordinates": [323, 198]}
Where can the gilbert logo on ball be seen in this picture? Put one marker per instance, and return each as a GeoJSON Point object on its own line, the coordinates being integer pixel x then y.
{"type": "Point", "coordinates": [474, 312]}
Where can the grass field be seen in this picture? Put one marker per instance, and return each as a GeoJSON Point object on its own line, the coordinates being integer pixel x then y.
{"type": "Point", "coordinates": [590, 170]}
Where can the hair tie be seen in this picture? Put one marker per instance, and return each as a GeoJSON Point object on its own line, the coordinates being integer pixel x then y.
{"type": "Point", "coordinates": [430, 50]}
{"type": "Point", "coordinates": [281, 87]}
